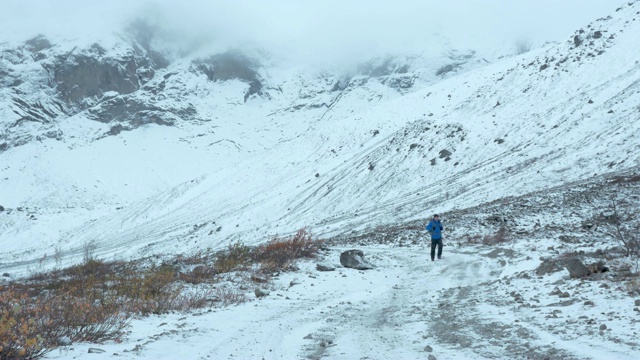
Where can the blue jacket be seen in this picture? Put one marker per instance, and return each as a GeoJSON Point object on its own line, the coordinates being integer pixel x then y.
{"type": "Point", "coordinates": [435, 228]}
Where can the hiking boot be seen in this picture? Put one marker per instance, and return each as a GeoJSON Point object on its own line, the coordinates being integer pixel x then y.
{"type": "Point", "coordinates": [433, 259]}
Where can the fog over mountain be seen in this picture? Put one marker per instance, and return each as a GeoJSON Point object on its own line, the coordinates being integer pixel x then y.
{"type": "Point", "coordinates": [320, 32]}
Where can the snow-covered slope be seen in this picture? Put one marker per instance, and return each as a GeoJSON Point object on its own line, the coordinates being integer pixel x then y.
{"type": "Point", "coordinates": [115, 144]}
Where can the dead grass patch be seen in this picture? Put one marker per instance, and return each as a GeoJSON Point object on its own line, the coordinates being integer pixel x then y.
{"type": "Point", "coordinates": [93, 301]}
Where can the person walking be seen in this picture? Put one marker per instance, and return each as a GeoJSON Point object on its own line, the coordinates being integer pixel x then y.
{"type": "Point", "coordinates": [435, 229]}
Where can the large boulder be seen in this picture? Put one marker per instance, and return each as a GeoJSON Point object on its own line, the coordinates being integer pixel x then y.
{"type": "Point", "coordinates": [576, 268]}
{"type": "Point", "coordinates": [354, 259]}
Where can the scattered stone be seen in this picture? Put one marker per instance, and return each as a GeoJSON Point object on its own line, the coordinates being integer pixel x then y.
{"type": "Point", "coordinates": [576, 268]}
{"type": "Point", "coordinates": [96, 351]}
{"type": "Point", "coordinates": [589, 303]}
{"type": "Point", "coordinates": [428, 348]}
{"type": "Point", "coordinates": [354, 259]}
{"type": "Point", "coordinates": [308, 337]}
{"type": "Point", "coordinates": [1, 208]}
{"type": "Point", "coordinates": [6, 275]}
{"type": "Point", "coordinates": [556, 291]}
{"type": "Point", "coordinates": [258, 279]}
{"type": "Point", "coordinates": [294, 282]}
{"type": "Point", "coordinates": [431, 357]}
{"type": "Point", "coordinates": [577, 40]}
{"type": "Point", "coordinates": [564, 295]}
{"type": "Point", "coordinates": [603, 327]}
{"type": "Point", "coordinates": [325, 267]}
{"type": "Point", "coordinates": [262, 292]}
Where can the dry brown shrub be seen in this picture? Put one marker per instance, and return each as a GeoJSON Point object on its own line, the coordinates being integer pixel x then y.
{"type": "Point", "coordinates": [83, 319]}
{"type": "Point", "coordinates": [20, 337]}
{"type": "Point", "coordinates": [281, 252]}
{"type": "Point", "coordinates": [236, 257]}
{"type": "Point", "coordinates": [226, 295]}
{"type": "Point", "coordinates": [199, 275]}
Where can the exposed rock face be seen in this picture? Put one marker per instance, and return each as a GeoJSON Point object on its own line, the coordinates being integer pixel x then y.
{"type": "Point", "coordinates": [137, 112]}
{"type": "Point", "coordinates": [38, 43]}
{"type": "Point", "coordinates": [116, 81]}
{"type": "Point", "coordinates": [354, 259]}
{"type": "Point", "coordinates": [232, 65]}
{"type": "Point", "coordinates": [83, 78]}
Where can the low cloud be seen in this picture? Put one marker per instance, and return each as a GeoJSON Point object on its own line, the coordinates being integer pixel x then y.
{"type": "Point", "coordinates": [325, 31]}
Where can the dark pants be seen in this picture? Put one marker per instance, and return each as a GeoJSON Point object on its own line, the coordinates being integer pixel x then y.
{"type": "Point", "coordinates": [433, 248]}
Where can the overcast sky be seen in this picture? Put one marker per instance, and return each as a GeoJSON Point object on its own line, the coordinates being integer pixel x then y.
{"type": "Point", "coordinates": [309, 29]}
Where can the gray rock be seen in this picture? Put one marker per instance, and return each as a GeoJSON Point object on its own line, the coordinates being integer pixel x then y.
{"type": "Point", "coordinates": [354, 259]}
{"type": "Point", "coordinates": [428, 348]}
{"type": "Point", "coordinates": [576, 268]}
{"type": "Point", "coordinates": [325, 267]}
{"type": "Point", "coordinates": [262, 292]}
{"type": "Point", "coordinates": [431, 357]}
{"type": "Point", "coordinates": [64, 341]}
{"type": "Point", "coordinates": [548, 266]}
{"type": "Point", "coordinates": [637, 303]}
{"type": "Point", "coordinates": [96, 351]}
{"type": "Point", "coordinates": [564, 295]}
{"type": "Point", "coordinates": [603, 327]}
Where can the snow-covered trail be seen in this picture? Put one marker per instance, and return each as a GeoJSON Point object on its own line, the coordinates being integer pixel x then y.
{"type": "Point", "coordinates": [406, 308]}
{"type": "Point", "coordinates": [343, 314]}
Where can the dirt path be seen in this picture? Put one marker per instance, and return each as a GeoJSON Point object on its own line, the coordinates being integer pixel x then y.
{"type": "Point", "coordinates": [406, 308]}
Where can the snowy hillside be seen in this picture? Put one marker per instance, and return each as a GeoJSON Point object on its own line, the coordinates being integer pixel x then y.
{"type": "Point", "coordinates": [115, 143]}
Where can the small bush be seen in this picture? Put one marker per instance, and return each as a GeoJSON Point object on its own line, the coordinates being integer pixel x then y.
{"type": "Point", "coordinates": [627, 228]}
{"type": "Point", "coordinates": [227, 295]}
{"type": "Point", "coordinates": [236, 257]}
{"type": "Point", "coordinates": [281, 252]}
{"type": "Point", "coordinates": [200, 274]}
{"type": "Point", "coordinates": [20, 337]}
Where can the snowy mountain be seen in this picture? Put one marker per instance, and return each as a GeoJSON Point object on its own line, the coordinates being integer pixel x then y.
{"type": "Point", "coordinates": [114, 142]}
{"type": "Point", "coordinates": [127, 148]}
